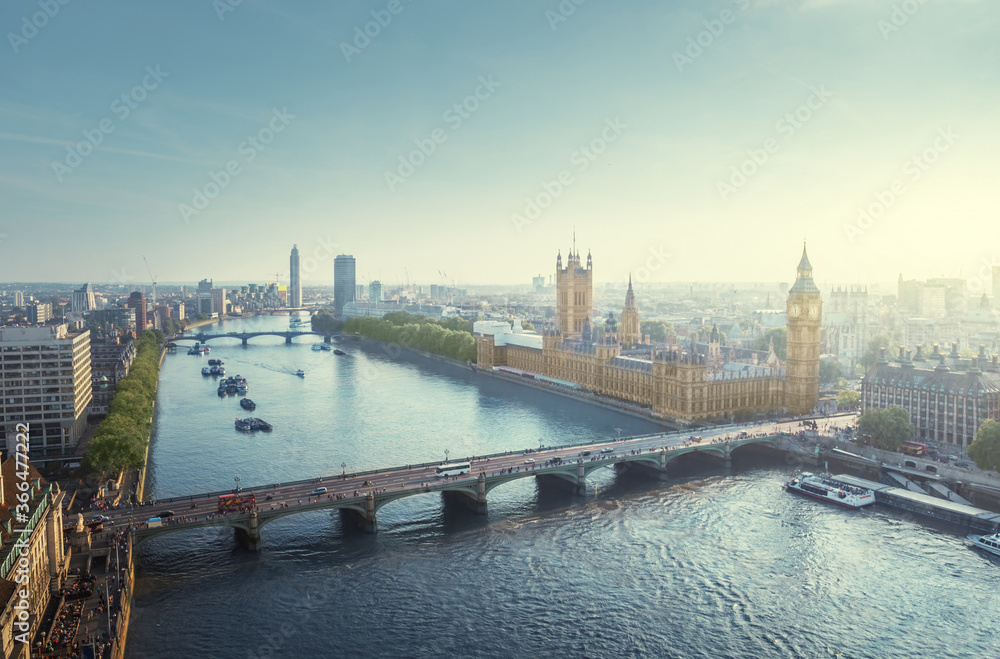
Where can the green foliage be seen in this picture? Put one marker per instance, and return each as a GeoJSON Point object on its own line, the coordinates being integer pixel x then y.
{"type": "Point", "coordinates": [848, 399]}
{"type": "Point", "coordinates": [658, 330]}
{"type": "Point", "coordinates": [121, 438]}
{"type": "Point", "coordinates": [406, 318]}
{"type": "Point", "coordinates": [985, 448]}
{"type": "Point", "coordinates": [829, 370]}
{"type": "Point", "coordinates": [887, 429]}
{"type": "Point", "coordinates": [874, 349]}
{"type": "Point", "coordinates": [780, 336]}
{"type": "Point", "coordinates": [435, 336]}
{"type": "Point", "coordinates": [324, 322]}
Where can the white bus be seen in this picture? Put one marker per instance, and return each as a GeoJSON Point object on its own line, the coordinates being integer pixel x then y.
{"type": "Point", "coordinates": [453, 469]}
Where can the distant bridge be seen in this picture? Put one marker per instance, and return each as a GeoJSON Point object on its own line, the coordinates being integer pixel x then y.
{"type": "Point", "coordinates": [363, 494]}
{"type": "Point", "coordinates": [288, 335]}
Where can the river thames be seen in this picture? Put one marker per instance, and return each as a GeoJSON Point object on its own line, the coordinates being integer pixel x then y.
{"type": "Point", "coordinates": [714, 563]}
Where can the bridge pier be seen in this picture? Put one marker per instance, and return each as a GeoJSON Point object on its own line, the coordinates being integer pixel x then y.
{"type": "Point", "coordinates": [576, 481]}
{"type": "Point", "coordinates": [251, 538]}
{"type": "Point", "coordinates": [245, 343]}
{"type": "Point", "coordinates": [659, 470]}
{"type": "Point", "coordinates": [288, 339]}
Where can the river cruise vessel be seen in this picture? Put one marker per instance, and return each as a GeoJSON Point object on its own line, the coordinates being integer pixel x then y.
{"type": "Point", "coordinates": [990, 543]}
{"type": "Point", "coordinates": [831, 490]}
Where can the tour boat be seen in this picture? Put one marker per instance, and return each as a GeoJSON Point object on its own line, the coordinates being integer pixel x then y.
{"type": "Point", "coordinates": [828, 489]}
{"type": "Point", "coordinates": [244, 425]}
{"type": "Point", "coordinates": [300, 373]}
{"type": "Point", "coordinates": [316, 347]}
{"type": "Point", "coordinates": [325, 346]}
{"type": "Point", "coordinates": [222, 370]}
{"type": "Point", "coordinates": [990, 543]}
{"type": "Point", "coordinates": [248, 404]}
{"type": "Point", "coordinates": [205, 370]}
{"type": "Point", "coordinates": [214, 370]}
{"type": "Point", "coordinates": [215, 362]}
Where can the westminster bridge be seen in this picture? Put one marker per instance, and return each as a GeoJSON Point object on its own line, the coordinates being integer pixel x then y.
{"type": "Point", "coordinates": [361, 495]}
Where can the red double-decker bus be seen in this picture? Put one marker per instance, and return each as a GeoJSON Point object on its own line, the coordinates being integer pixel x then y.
{"type": "Point", "coordinates": [913, 448]}
{"type": "Point", "coordinates": [237, 502]}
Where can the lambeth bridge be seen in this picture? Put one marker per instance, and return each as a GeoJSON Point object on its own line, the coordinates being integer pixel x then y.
{"type": "Point", "coordinates": [246, 336]}
{"type": "Point", "coordinates": [361, 495]}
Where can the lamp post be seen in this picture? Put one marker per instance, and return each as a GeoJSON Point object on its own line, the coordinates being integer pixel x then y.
{"type": "Point", "coordinates": [237, 479]}
{"type": "Point", "coordinates": [343, 466]}
{"type": "Point", "coordinates": [446, 455]}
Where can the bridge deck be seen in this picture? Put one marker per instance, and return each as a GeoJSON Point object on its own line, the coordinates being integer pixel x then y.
{"type": "Point", "coordinates": [366, 492]}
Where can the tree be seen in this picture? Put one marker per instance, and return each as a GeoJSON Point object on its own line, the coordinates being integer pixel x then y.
{"type": "Point", "coordinates": [658, 330]}
{"type": "Point", "coordinates": [887, 428]}
{"type": "Point", "coordinates": [780, 337]}
{"type": "Point", "coordinates": [848, 399]}
{"type": "Point", "coordinates": [829, 370]}
{"type": "Point", "coordinates": [874, 349]}
{"type": "Point", "coordinates": [985, 448]}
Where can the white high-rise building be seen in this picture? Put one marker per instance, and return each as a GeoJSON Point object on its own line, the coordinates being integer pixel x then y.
{"type": "Point", "coordinates": [83, 299]}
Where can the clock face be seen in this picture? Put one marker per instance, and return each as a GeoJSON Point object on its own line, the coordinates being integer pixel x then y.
{"type": "Point", "coordinates": [814, 311]}
{"type": "Point", "coordinates": [795, 310]}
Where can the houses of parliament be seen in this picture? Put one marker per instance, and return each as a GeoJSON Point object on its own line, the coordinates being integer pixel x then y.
{"type": "Point", "coordinates": [686, 381]}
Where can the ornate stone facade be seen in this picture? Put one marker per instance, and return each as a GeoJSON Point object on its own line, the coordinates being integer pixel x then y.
{"type": "Point", "coordinates": [687, 382]}
{"type": "Point", "coordinates": [804, 316]}
{"type": "Point", "coordinates": [629, 333]}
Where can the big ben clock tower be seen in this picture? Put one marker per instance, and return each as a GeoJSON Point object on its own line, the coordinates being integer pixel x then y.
{"type": "Point", "coordinates": [805, 311]}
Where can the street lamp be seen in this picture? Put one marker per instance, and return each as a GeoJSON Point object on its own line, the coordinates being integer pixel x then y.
{"type": "Point", "coordinates": [446, 455]}
{"type": "Point", "coordinates": [343, 465]}
{"type": "Point", "coordinates": [237, 479]}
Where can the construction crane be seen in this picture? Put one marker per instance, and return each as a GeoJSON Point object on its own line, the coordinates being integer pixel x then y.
{"type": "Point", "coordinates": [277, 278]}
{"type": "Point", "coordinates": [151, 278]}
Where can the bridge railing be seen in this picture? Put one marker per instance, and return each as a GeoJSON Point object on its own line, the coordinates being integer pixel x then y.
{"type": "Point", "coordinates": [436, 463]}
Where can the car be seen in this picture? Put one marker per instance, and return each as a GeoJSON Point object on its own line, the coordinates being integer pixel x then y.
{"type": "Point", "coordinates": [964, 465]}
{"type": "Point", "coordinates": [607, 450]}
{"type": "Point", "coordinates": [319, 490]}
{"type": "Point", "coordinates": [100, 518]}
{"type": "Point", "coordinates": [268, 497]}
{"type": "Point", "coordinates": [584, 453]}
{"type": "Point", "coordinates": [167, 513]}
{"type": "Point", "coordinates": [529, 461]}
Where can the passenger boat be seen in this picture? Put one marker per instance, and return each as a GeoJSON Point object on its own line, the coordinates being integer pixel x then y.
{"type": "Point", "coordinates": [215, 362]}
{"type": "Point", "coordinates": [300, 373]}
{"type": "Point", "coordinates": [241, 388]}
{"type": "Point", "coordinates": [325, 346]}
{"type": "Point", "coordinates": [244, 425]}
{"type": "Point", "coordinates": [316, 347]}
{"type": "Point", "coordinates": [260, 424]}
{"type": "Point", "coordinates": [990, 543]}
{"type": "Point", "coordinates": [205, 370]}
{"type": "Point", "coordinates": [248, 404]}
{"type": "Point", "coordinates": [248, 424]}
{"type": "Point", "coordinates": [214, 370]}
{"type": "Point", "coordinates": [338, 351]}
{"type": "Point", "coordinates": [829, 489]}
{"type": "Point", "coordinates": [222, 370]}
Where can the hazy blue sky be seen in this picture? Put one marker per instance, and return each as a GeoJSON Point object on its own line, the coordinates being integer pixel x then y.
{"type": "Point", "coordinates": [180, 87]}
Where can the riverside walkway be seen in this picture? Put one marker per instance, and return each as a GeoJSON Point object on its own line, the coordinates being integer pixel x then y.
{"type": "Point", "coordinates": [363, 494]}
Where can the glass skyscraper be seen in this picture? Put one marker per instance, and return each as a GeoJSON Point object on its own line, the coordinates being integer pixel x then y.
{"type": "Point", "coordinates": [343, 283]}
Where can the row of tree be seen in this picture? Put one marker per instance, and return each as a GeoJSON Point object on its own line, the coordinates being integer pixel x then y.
{"type": "Point", "coordinates": [425, 334]}
{"type": "Point", "coordinates": [121, 438]}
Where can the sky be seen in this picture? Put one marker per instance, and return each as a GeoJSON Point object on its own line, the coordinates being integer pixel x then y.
{"type": "Point", "coordinates": [446, 142]}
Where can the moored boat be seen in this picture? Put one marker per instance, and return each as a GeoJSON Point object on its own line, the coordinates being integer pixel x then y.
{"type": "Point", "coordinates": [831, 490]}
{"type": "Point", "coordinates": [248, 404]}
{"type": "Point", "coordinates": [338, 351]}
{"type": "Point", "coordinates": [316, 347]}
{"type": "Point", "coordinates": [300, 373]}
{"type": "Point", "coordinates": [990, 543]}
{"type": "Point", "coordinates": [325, 346]}
{"type": "Point", "coordinates": [205, 370]}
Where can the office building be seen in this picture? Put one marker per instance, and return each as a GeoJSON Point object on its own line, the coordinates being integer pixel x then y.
{"type": "Point", "coordinates": [375, 292]}
{"type": "Point", "coordinates": [294, 280]}
{"type": "Point", "coordinates": [83, 299]}
{"type": "Point", "coordinates": [343, 282]}
{"type": "Point", "coordinates": [137, 302]}
{"type": "Point", "coordinates": [45, 381]}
